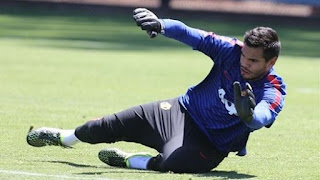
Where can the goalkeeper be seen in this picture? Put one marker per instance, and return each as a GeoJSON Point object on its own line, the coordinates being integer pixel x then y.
{"type": "Point", "coordinates": [194, 132]}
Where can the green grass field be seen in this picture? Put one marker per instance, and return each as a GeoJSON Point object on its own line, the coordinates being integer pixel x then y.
{"type": "Point", "coordinates": [61, 69]}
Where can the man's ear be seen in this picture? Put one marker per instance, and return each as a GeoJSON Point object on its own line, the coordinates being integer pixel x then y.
{"type": "Point", "coordinates": [272, 62]}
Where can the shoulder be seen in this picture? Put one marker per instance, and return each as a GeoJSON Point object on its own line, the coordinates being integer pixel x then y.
{"type": "Point", "coordinates": [274, 91]}
{"type": "Point", "coordinates": [270, 88]}
{"type": "Point", "coordinates": [273, 80]}
{"type": "Point", "coordinates": [227, 41]}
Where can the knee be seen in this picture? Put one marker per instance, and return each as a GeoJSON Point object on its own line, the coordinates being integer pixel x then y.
{"type": "Point", "coordinates": [185, 165]}
{"type": "Point", "coordinates": [97, 131]}
{"type": "Point", "coordinates": [183, 161]}
{"type": "Point", "coordinates": [85, 132]}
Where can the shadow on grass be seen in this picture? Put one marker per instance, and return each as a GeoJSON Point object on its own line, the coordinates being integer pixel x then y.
{"type": "Point", "coordinates": [119, 170]}
{"type": "Point", "coordinates": [110, 169]}
{"type": "Point", "coordinates": [103, 28]}
{"type": "Point", "coordinates": [212, 174]}
{"type": "Point", "coordinates": [219, 174]}
{"type": "Point", "coordinates": [73, 164]}
{"type": "Point", "coordinates": [226, 175]}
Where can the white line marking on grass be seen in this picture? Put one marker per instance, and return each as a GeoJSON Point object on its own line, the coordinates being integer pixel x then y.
{"type": "Point", "coordinates": [46, 175]}
{"type": "Point", "coordinates": [307, 90]}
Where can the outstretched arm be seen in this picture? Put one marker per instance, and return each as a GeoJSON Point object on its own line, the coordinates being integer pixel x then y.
{"type": "Point", "coordinates": [174, 29]}
{"type": "Point", "coordinates": [209, 43]}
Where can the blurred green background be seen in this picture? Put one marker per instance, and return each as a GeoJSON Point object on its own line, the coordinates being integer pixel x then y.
{"type": "Point", "coordinates": [63, 65]}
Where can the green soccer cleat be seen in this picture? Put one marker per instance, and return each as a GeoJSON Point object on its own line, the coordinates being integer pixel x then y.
{"type": "Point", "coordinates": [44, 137]}
{"type": "Point", "coordinates": [117, 158]}
{"type": "Point", "coordinates": [113, 157]}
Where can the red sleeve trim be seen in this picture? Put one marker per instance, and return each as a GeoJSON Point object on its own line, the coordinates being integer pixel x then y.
{"type": "Point", "coordinates": [275, 82]}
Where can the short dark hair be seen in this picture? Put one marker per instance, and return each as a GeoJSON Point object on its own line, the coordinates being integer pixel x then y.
{"type": "Point", "coordinates": [266, 38]}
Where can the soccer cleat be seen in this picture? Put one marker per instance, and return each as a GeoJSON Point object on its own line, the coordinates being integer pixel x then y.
{"type": "Point", "coordinates": [113, 157]}
{"type": "Point", "coordinates": [118, 158]}
{"type": "Point", "coordinates": [44, 137]}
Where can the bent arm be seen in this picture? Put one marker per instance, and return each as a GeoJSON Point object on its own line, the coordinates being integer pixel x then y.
{"type": "Point", "coordinates": [267, 110]}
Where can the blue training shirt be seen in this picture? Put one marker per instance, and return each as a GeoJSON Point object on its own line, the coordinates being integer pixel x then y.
{"type": "Point", "coordinates": [211, 102]}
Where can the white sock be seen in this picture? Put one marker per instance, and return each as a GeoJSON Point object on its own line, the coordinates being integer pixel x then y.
{"type": "Point", "coordinates": [68, 137]}
{"type": "Point", "coordinates": [139, 161]}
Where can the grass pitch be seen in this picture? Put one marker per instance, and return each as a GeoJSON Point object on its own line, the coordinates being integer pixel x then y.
{"type": "Point", "coordinates": [61, 69]}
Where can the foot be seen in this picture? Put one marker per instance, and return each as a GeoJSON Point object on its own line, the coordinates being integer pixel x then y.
{"type": "Point", "coordinates": [118, 158]}
{"type": "Point", "coordinates": [44, 137]}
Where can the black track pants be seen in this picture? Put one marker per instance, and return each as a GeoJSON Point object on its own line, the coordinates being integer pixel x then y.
{"type": "Point", "coordinates": [162, 125]}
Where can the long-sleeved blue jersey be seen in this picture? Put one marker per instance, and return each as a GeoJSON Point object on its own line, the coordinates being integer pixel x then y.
{"type": "Point", "coordinates": [211, 102]}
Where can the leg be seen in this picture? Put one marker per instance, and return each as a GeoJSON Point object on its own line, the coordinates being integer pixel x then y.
{"type": "Point", "coordinates": [129, 125]}
{"type": "Point", "coordinates": [190, 159]}
{"type": "Point", "coordinates": [165, 126]}
{"type": "Point", "coordinates": [189, 152]}
{"type": "Point", "coordinates": [167, 120]}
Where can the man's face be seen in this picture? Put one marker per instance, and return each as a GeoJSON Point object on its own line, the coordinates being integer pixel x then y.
{"type": "Point", "coordinates": [253, 65]}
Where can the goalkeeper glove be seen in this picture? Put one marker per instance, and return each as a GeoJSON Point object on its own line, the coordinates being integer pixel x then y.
{"type": "Point", "coordinates": [148, 21]}
{"type": "Point", "coordinates": [244, 103]}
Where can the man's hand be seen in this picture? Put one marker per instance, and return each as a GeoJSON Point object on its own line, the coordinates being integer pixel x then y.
{"type": "Point", "coordinates": [148, 21]}
{"type": "Point", "coordinates": [244, 103]}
